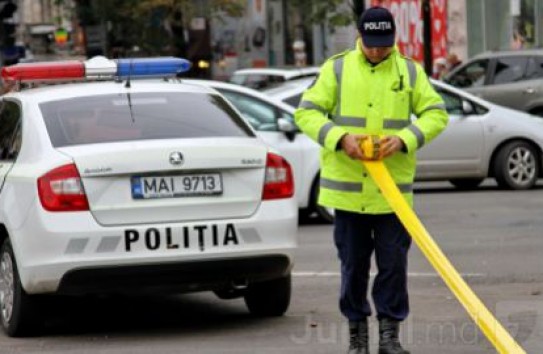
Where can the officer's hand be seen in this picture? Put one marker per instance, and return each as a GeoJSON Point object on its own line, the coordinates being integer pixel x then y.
{"type": "Point", "coordinates": [390, 144]}
{"type": "Point", "coordinates": [350, 143]}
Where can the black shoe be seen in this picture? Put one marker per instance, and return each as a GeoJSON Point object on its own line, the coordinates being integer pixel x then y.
{"type": "Point", "coordinates": [389, 343]}
{"type": "Point", "coordinates": [358, 341]}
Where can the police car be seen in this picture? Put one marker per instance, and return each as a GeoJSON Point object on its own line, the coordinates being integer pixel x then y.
{"type": "Point", "coordinates": [119, 185]}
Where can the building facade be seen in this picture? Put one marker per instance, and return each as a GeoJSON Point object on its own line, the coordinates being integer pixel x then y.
{"type": "Point", "coordinates": [464, 27]}
{"type": "Point", "coordinates": [265, 35]}
{"type": "Point", "coordinates": [38, 22]}
{"type": "Point", "coordinates": [504, 25]}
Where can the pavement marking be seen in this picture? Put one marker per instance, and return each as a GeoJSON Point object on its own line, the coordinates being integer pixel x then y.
{"type": "Point", "coordinates": [409, 274]}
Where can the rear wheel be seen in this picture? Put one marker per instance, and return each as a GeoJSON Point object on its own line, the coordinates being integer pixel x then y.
{"type": "Point", "coordinates": [516, 166]}
{"type": "Point", "coordinates": [466, 183]}
{"type": "Point", "coordinates": [269, 298]}
{"type": "Point", "coordinates": [16, 306]}
{"type": "Point", "coordinates": [537, 111]}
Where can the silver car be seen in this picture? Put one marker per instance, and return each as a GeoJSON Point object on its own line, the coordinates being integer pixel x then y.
{"type": "Point", "coordinates": [482, 140]}
{"type": "Point", "coordinates": [509, 78]}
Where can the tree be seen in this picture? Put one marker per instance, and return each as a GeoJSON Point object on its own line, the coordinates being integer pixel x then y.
{"type": "Point", "coordinates": [9, 53]}
{"type": "Point", "coordinates": [331, 12]}
{"type": "Point", "coordinates": [156, 27]}
{"type": "Point", "coordinates": [325, 13]}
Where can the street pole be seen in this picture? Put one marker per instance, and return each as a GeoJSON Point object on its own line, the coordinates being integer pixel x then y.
{"type": "Point", "coordinates": [427, 35]}
{"type": "Point", "coordinates": [289, 54]}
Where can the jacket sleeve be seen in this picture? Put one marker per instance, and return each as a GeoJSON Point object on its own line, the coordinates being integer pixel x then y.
{"type": "Point", "coordinates": [316, 108]}
{"type": "Point", "coordinates": [432, 117]}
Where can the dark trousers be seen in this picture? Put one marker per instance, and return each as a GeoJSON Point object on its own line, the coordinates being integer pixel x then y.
{"type": "Point", "coordinates": [356, 236]}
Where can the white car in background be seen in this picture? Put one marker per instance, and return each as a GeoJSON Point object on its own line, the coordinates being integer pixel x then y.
{"type": "Point", "coordinates": [290, 92]}
{"type": "Point", "coordinates": [481, 140]}
{"type": "Point", "coordinates": [273, 121]}
{"type": "Point", "coordinates": [262, 78]}
{"type": "Point", "coordinates": [127, 186]}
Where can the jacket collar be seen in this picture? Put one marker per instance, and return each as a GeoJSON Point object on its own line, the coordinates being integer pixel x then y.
{"type": "Point", "coordinates": [385, 63]}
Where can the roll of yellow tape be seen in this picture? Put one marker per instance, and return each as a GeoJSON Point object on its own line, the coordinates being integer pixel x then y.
{"type": "Point", "coordinates": [493, 330]}
{"type": "Point", "coordinates": [371, 146]}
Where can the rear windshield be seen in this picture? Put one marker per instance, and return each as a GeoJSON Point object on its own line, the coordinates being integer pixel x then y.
{"type": "Point", "coordinates": [140, 116]}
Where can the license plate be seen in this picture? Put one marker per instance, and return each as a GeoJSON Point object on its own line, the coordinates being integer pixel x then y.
{"type": "Point", "coordinates": [202, 184]}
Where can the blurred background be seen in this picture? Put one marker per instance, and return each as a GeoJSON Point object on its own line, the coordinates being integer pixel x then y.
{"type": "Point", "coordinates": [221, 36]}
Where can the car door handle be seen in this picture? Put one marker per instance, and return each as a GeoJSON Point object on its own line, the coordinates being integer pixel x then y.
{"type": "Point", "coordinates": [530, 90]}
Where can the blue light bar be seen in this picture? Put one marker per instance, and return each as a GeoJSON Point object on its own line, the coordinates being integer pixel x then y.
{"type": "Point", "coordinates": [95, 68]}
{"type": "Point", "coordinates": [169, 66]}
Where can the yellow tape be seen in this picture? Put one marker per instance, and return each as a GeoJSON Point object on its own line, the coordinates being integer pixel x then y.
{"type": "Point", "coordinates": [493, 330]}
{"type": "Point", "coordinates": [371, 147]}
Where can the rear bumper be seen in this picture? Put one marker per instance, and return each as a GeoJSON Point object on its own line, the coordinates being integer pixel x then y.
{"type": "Point", "coordinates": [178, 277]}
{"type": "Point", "coordinates": [64, 251]}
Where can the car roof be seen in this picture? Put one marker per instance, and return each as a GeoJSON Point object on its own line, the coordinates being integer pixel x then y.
{"type": "Point", "coordinates": [242, 89]}
{"type": "Point", "coordinates": [296, 87]}
{"type": "Point", "coordinates": [85, 89]}
{"type": "Point", "coordinates": [509, 53]}
{"type": "Point", "coordinates": [289, 88]}
{"type": "Point", "coordinates": [287, 72]}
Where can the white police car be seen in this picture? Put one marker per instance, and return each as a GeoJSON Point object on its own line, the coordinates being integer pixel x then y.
{"type": "Point", "coordinates": [124, 186]}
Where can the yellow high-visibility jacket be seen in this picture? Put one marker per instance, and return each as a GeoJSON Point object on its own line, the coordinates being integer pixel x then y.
{"type": "Point", "coordinates": [351, 95]}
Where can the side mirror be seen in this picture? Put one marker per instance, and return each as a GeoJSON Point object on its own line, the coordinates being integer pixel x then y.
{"type": "Point", "coordinates": [287, 127]}
{"type": "Point", "coordinates": [467, 108]}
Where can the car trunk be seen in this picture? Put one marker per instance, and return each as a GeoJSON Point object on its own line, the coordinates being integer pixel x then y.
{"type": "Point", "coordinates": [171, 180]}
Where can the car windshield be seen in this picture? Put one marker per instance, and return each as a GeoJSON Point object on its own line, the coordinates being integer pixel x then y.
{"type": "Point", "coordinates": [140, 116]}
{"type": "Point", "coordinates": [473, 75]}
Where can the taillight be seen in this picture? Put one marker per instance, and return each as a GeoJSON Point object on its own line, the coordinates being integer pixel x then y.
{"type": "Point", "coordinates": [61, 190]}
{"type": "Point", "coordinates": [278, 183]}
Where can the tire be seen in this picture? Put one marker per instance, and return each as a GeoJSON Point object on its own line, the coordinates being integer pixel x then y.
{"type": "Point", "coordinates": [16, 306]}
{"type": "Point", "coordinates": [516, 166]}
{"type": "Point", "coordinates": [229, 294]}
{"type": "Point", "coordinates": [269, 298]}
{"type": "Point", "coordinates": [466, 183]}
{"type": "Point", "coordinates": [537, 111]}
{"type": "Point", "coordinates": [323, 213]}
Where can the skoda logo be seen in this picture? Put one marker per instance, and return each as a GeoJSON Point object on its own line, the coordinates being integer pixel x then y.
{"type": "Point", "coordinates": [176, 158]}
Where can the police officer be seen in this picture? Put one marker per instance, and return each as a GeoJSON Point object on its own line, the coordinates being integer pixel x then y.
{"type": "Point", "coordinates": [371, 89]}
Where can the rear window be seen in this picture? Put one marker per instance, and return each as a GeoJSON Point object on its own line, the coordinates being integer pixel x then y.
{"type": "Point", "coordinates": [140, 116]}
{"type": "Point", "coordinates": [510, 69]}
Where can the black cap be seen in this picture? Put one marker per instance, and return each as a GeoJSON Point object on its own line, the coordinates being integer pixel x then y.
{"type": "Point", "coordinates": [377, 28]}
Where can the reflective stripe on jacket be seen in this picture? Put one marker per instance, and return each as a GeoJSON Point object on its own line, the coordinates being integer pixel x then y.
{"type": "Point", "coordinates": [351, 95]}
